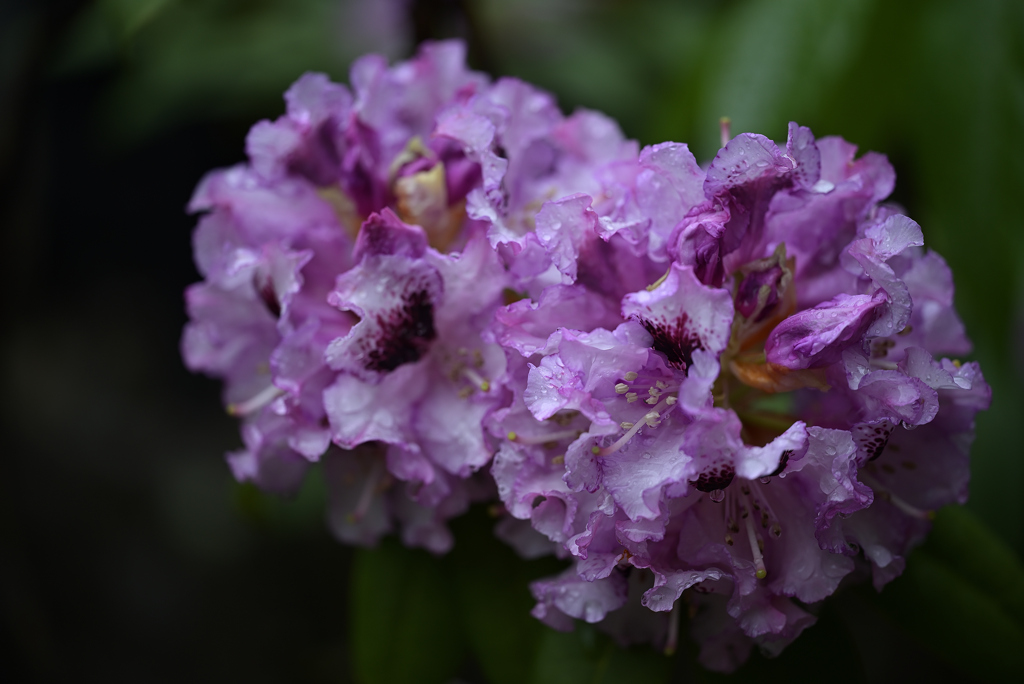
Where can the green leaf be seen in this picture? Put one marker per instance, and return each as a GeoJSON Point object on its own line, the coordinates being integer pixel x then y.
{"type": "Point", "coordinates": [586, 656]}
{"type": "Point", "coordinates": [494, 599]}
{"type": "Point", "coordinates": [817, 649]}
{"type": "Point", "coordinates": [404, 623]}
{"type": "Point", "coordinates": [302, 512]}
{"type": "Point", "coordinates": [971, 550]}
{"type": "Point", "coordinates": [962, 594]}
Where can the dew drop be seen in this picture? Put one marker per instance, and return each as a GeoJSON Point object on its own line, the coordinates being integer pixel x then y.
{"type": "Point", "coordinates": [647, 455]}
{"type": "Point", "coordinates": [717, 495]}
{"type": "Point", "coordinates": [823, 186]}
{"type": "Point", "coordinates": [831, 451]}
{"type": "Point", "coordinates": [765, 480]}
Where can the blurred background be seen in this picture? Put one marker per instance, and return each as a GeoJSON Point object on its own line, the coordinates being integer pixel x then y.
{"type": "Point", "coordinates": [127, 553]}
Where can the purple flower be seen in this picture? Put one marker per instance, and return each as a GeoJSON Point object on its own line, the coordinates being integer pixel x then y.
{"type": "Point", "coordinates": [349, 193]}
{"type": "Point", "coordinates": [715, 390]}
{"type": "Point", "coordinates": [731, 430]}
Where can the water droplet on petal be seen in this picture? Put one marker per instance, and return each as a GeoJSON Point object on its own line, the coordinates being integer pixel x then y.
{"type": "Point", "coordinates": [592, 611]}
{"type": "Point", "coordinates": [765, 480]}
{"type": "Point", "coordinates": [717, 495]}
{"type": "Point", "coordinates": [647, 455]}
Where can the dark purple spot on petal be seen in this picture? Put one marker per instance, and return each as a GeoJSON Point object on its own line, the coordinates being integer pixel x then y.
{"type": "Point", "coordinates": [405, 333]}
{"type": "Point", "coordinates": [783, 460]}
{"type": "Point", "coordinates": [871, 440]}
{"type": "Point", "coordinates": [674, 341]}
{"type": "Point", "coordinates": [265, 289]}
{"type": "Point", "coordinates": [718, 478]}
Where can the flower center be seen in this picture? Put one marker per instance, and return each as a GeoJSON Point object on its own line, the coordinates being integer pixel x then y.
{"type": "Point", "coordinates": [465, 369]}
{"type": "Point", "coordinates": [747, 510]}
{"type": "Point", "coordinates": [654, 390]}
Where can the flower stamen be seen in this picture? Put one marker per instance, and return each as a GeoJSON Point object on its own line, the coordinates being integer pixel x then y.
{"type": "Point", "coordinates": [652, 419]}
{"type": "Point", "coordinates": [369, 489]}
{"type": "Point", "coordinates": [482, 383]}
{"type": "Point", "coordinates": [542, 439]}
{"type": "Point", "coordinates": [256, 402]}
{"type": "Point", "coordinates": [672, 639]}
{"type": "Point", "coordinates": [883, 493]}
{"type": "Point", "coordinates": [755, 548]}
{"type": "Point", "coordinates": [725, 130]}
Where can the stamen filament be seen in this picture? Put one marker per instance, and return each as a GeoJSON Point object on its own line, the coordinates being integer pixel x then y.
{"type": "Point", "coordinates": [366, 497]}
{"type": "Point", "coordinates": [256, 402]}
{"type": "Point", "coordinates": [763, 500]}
{"type": "Point", "coordinates": [476, 379]}
{"type": "Point", "coordinates": [543, 439]}
{"type": "Point", "coordinates": [759, 570]}
{"type": "Point", "coordinates": [673, 630]}
{"type": "Point", "coordinates": [652, 416]}
{"type": "Point", "coordinates": [910, 509]}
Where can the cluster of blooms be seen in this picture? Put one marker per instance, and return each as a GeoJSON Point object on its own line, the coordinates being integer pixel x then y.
{"type": "Point", "coordinates": [712, 389]}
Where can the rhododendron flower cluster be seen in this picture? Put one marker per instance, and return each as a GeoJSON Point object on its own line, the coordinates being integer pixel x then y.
{"type": "Point", "coordinates": [716, 390]}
